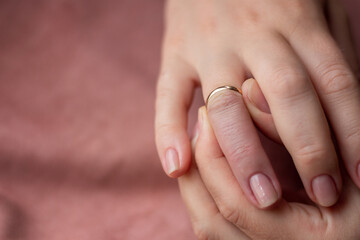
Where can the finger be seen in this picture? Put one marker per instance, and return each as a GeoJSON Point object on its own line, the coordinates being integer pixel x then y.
{"type": "Point", "coordinates": [174, 95]}
{"type": "Point", "coordinates": [338, 90]}
{"type": "Point", "coordinates": [345, 213]}
{"type": "Point", "coordinates": [238, 137]}
{"type": "Point", "coordinates": [338, 23]}
{"type": "Point", "coordinates": [298, 116]}
{"type": "Point", "coordinates": [292, 187]}
{"type": "Point", "coordinates": [206, 220]}
{"type": "Point", "coordinates": [279, 222]}
{"type": "Point", "coordinates": [259, 109]}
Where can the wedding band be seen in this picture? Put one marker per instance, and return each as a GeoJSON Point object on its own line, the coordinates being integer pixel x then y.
{"type": "Point", "coordinates": [222, 88]}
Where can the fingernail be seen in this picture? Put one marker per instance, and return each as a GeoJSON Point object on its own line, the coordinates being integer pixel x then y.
{"type": "Point", "coordinates": [358, 170]}
{"type": "Point", "coordinates": [200, 116]}
{"type": "Point", "coordinates": [197, 127]}
{"type": "Point", "coordinates": [195, 135]}
{"type": "Point", "coordinates": [324, 189]}
{"type": "Point", "coordinates": [256, 97]}
{"type": "Point", "coordinates": [263, 190]}
{"type": "Point", "coordinates": [171, 161]}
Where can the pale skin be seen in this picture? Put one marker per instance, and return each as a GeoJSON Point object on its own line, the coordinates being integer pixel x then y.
{"type": "Point", "coordinates": [219, 209]}
{"type": "Point", "coordinates": [307, 82]}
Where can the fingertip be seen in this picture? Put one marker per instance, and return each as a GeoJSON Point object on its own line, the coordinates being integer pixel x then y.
{"type": "Point", "coordinates": [253, 94]}
{"type": "Point", "coordinates": [264, 190]}
{"type": "Point", "coordinates": [176, 163]}
{"type": "Point", "coordinates": [174, 151]}
{"type": "Point", "coordinates": [325, 190]}
{"type": "Point", "coordinates": [246, 86]}
{"type": "Point", "coordinates": [262, 118]}
{"type": "Point", "coordinates": [172, 162]}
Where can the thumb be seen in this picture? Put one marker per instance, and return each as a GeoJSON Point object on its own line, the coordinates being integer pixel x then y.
{"type": "Point", "coordinates": [259, 109]}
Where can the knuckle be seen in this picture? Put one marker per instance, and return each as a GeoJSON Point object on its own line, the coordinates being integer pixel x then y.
{"type": "Point", "coordinates": [309, 155]}
{"type": "Point", "coordinates": [314, 222]}
{"type": "Point", "coordinates": [297, 8]}
{"type": "Point", "coordinates": [353, 134]}
{"type": "Point", "coordinates": [231, 214]}
{"type": "Point", "coordinates": [320, 227]}
{"type": "Point", "coordinates": [165, 129]}
{"type": "Point", "coordinates": [301, 15]}
{"type": "Point", "coordinates": [241, 151]}
{"type": "Point", "coordinates": [289, 83]}
{"type": "Point", "coordinates": [162, 92]}
{"type": "Point", "coordinates": [202, 230]}
{"type": "Point", "coordinates": [247, 18]}
{"type": "Point", "coordinates": [335, 78]}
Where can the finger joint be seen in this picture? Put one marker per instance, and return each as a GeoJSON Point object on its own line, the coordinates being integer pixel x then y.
{"type": "Point", "coordinates": [335, 78]}
{"type": "Point", "coordinates": [289, 83]}
{"type": "Point", "coordinates": [309, 155]}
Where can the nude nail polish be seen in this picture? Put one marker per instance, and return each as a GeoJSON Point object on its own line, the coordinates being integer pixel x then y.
{"type": "Point", "coordinates": [171, 161]}
{"type": "Point", "coordinates": [325, 191]}
{"type": "Point", "coordinates": [263, 190]}
{"type": "Point", "coordinates": [257, 98]}
{"type": "Point", "coordinates": [195, 135]}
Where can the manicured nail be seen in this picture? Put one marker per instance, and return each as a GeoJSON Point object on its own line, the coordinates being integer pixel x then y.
{"type": "Point", "coordinates": [198, 127]}
{"type": "Point", "coordinates": [200, 115]}
{"type": "Point", "coordinates": [171, 161]}
{"type": "Point", "coordinates": [324, 189]}
{"type": "Point", "coordinates": [195, 135]}
{"type": "Point", "coordinates": [256, 97]}
{"type": "Point", "coordinates": [263, 190]}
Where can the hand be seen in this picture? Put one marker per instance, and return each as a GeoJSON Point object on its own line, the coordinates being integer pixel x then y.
{"type": "Point", "coordinates": [287, 47]}
{"type": "Point", "coordinates": [219, 209]}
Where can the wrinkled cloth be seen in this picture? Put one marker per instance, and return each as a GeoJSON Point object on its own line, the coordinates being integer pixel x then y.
{"type": "Point", "coordinates": [77, 152]}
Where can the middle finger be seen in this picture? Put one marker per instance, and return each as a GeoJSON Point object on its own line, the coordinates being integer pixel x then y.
{"type": "Point", "coordinates": [298, 115]}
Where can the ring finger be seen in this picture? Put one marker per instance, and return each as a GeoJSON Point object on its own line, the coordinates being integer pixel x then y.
{"type": "Point", "coordinates": [236, 132]}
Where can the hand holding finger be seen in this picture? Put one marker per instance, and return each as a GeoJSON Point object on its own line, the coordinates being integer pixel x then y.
{"type": "Point", "coordinates": [241, 145]}
{"type": "Point", "coordinates": [204, 214]}
{"type": "Point", "coordinates": [283, 220]}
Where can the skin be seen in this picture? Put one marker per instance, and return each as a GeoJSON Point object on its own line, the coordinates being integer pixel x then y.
{"type": "Point", "coordinates": [303, 75]}
{"type": "Point", "coordinates": [219, 209]}
{"type": "Point", "coordinates": [217, 206]}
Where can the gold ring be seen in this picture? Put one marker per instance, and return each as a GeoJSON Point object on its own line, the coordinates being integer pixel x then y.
{"type": "Point", "coordinates": [219, 89]}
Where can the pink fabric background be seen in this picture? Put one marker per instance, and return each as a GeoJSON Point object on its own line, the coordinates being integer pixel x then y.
{"type": "Point", "coordinates": [77, 156]}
